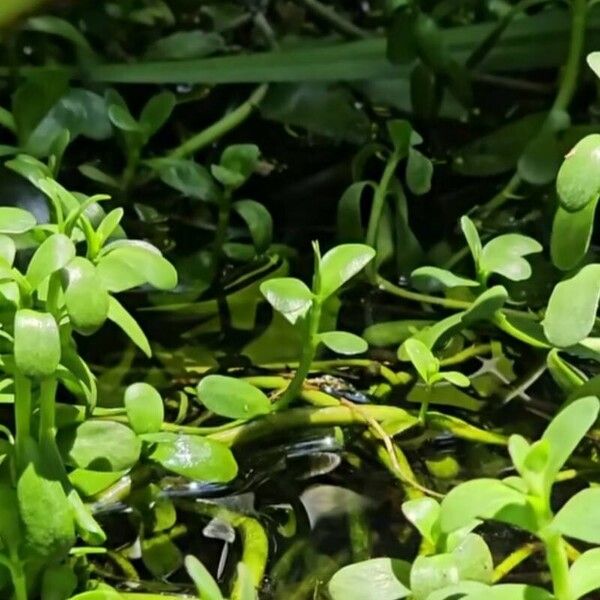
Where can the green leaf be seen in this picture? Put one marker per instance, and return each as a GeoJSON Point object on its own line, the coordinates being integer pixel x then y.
{"type": "Point", "coordinates": [10, 524]}
{"type": "Point", "coordinates": [434, 279]}
{"type": "Point", "coordinates": [584, 574]}
{"type": "Point", "coordinates": [99, 446]}
{"type": "Point", "coordinates": [400, 132]}
{"type": "Point", "coordinates": [494, 501]}
{"type": "Point", "coordinates": [472, 236]}
{"type": "Point", "coordinates": [580, 517]}
{"type": "Point", "coordinates": [419, 171]}
{"type": "Point", "coordinates": [206, 586]}
{"type": "Point", "coordinates": [188, 177]}
{"type": "Point", "coordinates": [195, 457]}
{"type": "Point", "coordinates": [571, 235]}
{"type": "Point", "coordinates": [86, 299]}
{"type": "Point", "coordinates": [15, 220]}
{"type": "Point", "coordinates": [185, 44]}
{"type": "Point", "coordinates": [288, 296]}
{"type": "Point", "coordinates": [455, 378]}
{"type": "Point", "coordinates": [431, 573]}
{"type": "Point", "coordinates": [511, 591]}
{"type": "Point", "coordinates": [424, 514]}
{"type": "Point", "coordinates": [237, 164]}
{"type": "Point", "coordinates": [426, 364]}
{"type": "Point", "coordinates": [388, 333]}
{"type": "Point", "coordinates": [341, 264]}
{"type": "Point", "coordinates": [118, 315]}
{"type": "Point", "coordinates": [349, 212]}
{"type": "Point", "coordinates": [374, 579]}
{"type": "Point", "coordinates": [37, 343]}
{"type": "Point", "coordinates": [572, 307]}
{"type": "Point", "coordinates": [578, 180]}
{"type": "Point", "coordinates": [145, 409]}
{"type": "Point", "coordinates": [157, 111]}
{"type": "Point", "coordinates": [503, 255]}
{"type": "Point", "coordinates": [567, 429]}
{"type": "Point", "coordinates": [90, 483]}
{"type": "Point", "coordinates": [401, 43]}
{"type": "Point", "coordinates": [231, 397]}
{"type": "Point", "coordinates": [53, 254]}
{"type": "Point", "coordinates": [139, 258]}
{"type": "Point", "coordinates": [486, 305]}
{"type": "Point", "coordinates": [58, 582]}
{"type": "Point", "coordinates": [259, 222]}
{"type": "Point", "coordinates": [121, 118]}
{"type": "Point", "coordinates": [473, 558]}
{"type": "Point", "coordinates": [343, 342]}
{"type": "Point", "coordinates": [8, 249]}
{"type": "Point", "coordinates": [109, 225]}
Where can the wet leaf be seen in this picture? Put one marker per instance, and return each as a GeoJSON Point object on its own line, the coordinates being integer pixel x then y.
{"type": "Point", "coordinates": [289, 296]}
{"type": "Point", "coordinates": [572, 308]}
{"type": "Point", "coordinates": [231, 397]}
{"type": "Point", "coordinates": [341, 264]}
{"type": "Point", "coordinates": [144, 406]}
{"type": "Point", "coordinates": [195, 457]}
{"type": "Point", "coordinates": [85, 446]}
{"type": "Point", "coordinates": [578, 180]}
{"type": "Point", "coordinates": [37, 343]}
{"type": "Point", "coordinates": [343, 342]}
{"type": "Point", "coordinates": [374, 579]}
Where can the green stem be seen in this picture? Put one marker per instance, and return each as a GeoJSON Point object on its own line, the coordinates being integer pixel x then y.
{"type": "Point", "coordinates": [424, 405]}
{"type": "Point", "coordinates": [19, 579]}
{"type": "Point", "coordinates": [220, 128]}
{"type": "Point", "coordinates": [47, 409]}
{"type": "Point", "coordinates": [7, 120]}
{"type": "Point", "coordinates": [11, 10]}
{"type": "Point", "coordinates": [359, 532]}
{"type": "Point", "coordinates": [310, 343]}
{"type": "Point", "coordinates": [466, 354]}
{"type": "Point", "coordinates": [255, 543]}
{"type": "Point", "coordinates": [300, 418]}
{"type": "Point", "coordinates": [376, 212]}
{"type": "Point", "coordinates": [556, 557]}
{"type": "Point", "coordinates": [513, 560]}
{"type": "Point", "coordinates": [335, 20]}
{"type": "Point", "coordinates": [22, 415]}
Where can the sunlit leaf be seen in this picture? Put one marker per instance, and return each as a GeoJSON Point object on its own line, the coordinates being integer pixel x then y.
{"type": "Point", "coordinates": [432, 279]}
{"type": "Point", "coordinates": [343, 342]}
{"type": "Point", "coordinates": [119, 315]}
{"type": "Point", "coordinates": [37, 343]}
{"type": "Point", "coordinates": [144, 406]}
{"type": "Point", "coordinates": [15, 220]}
{"type": "Point", "coordinates": [231, 397]}
{"type": "Point", "coordinates": [584, 574]}
{"type": "Point", "coordinates": [340, 264]}
{"type": "Point", "coordinates": [289, 296]}
{"type": "Point", "coordinates": [580, 517]}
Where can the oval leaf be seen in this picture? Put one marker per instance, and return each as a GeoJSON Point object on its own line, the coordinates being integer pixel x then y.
{"type": "Point", "coordinates": [434, 279]}
{"type": "Point", "coordinates": [259, 222]}
{"type": "Point", "coordinates": [231, 397]}
{"type": "Point", "coordinates": [341, 264]}
{"type": "Point", "coordinates": [37, 343]}
{"type": "Point", "coordinates": [578, 180]}
{"type": "Point", "coordinates": [206, 586]}
{"type": "Point", "coordinates": [580, 517]}
{"type": "Point", "coordinates": [145, 408]}
{"type": "Point", "coordinates": [343, 342]}
{"type": "Point", "coordinates": [288, 296]}
{"type": "Point", "coordinates": [15, 220]}
{"type": "Point", "coordinates": [52, 255]}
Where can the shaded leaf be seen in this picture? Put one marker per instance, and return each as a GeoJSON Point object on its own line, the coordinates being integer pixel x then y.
{"type": "Point", "coordinates": [259, 222]}
{"type": "Point", "coordinates": [571, 235]}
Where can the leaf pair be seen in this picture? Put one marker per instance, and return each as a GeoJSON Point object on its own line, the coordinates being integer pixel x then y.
{"type": "Point", "coordinates": [428, 366]}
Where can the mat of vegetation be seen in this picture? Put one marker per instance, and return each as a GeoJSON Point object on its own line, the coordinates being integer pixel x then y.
{"type": "Point", "coordinates": [298, 300]}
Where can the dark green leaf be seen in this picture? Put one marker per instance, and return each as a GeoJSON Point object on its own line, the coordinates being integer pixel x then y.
{"type": "Point", "coordinates": [185, 44]}
{"type": "Point", "coordinates": [259, 222]}
{"type": "Point", "coordinates": [419, 171]}
{"type": "Point", "coordinates": [571, 235]}
{"type": "Point", "coordinates": [156, 112]}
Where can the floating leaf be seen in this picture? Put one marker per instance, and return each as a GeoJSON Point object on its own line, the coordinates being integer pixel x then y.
{"type": "Point", "coordinates": [231, 397]}
{"type": "Point", "coordinates": [343, 342]}
{"type": "Point", "coordinates": [341, 264]}
{"type": "Point", "coordinates": [572, 308]}
{"type": "Point", "coordinates": [289, 296]}
{"type": "Point", "coordinates": [37, 343]}
{"type": "Point", "coordinates": [145, 409]}
{"type": "Point", "coordinates": [195, 457]}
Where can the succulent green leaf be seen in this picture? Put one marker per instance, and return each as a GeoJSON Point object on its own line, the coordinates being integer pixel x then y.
{"type": "Point", "coordinates": [237, 163]}
{"type": "Point", "coordinates": [195, 457]}
{"type": "Point", "coordinates": [579, 518]}
{"type": "Point", "coordinates": [472, 236]}
{"type": "Point", "coordinates": [121, 118]}
{"type": "Point", "coordinates": [259, 223]}
{"type": "Point", "coordinates": [494, 501]}
{"type": "Point", "coordinates": [8, 249]}
{"type": "Point", "coordinates": [37, 343]}
{"type": "Point", "coordinates": [424, 514]}
{"type": "Point", "coordinates": [431, 573]}
{"type": "Point", "coordinates": [108, 226]}
{"type": "Point", "coordinates": [374, 579]}
{"type": "Point", "coordinates": [343, 342]}
{"type": "Point", "coordinates": [231, 397]}
{"type": "Point", "coordinates": [511, 591]}
{"type": "Point", "coordinates": [188, 177]}
{"type": "Point", "coordinates": [10, 524]}
{"type": "Point", "coordinates": [572, 307]}
{"type": "Point", "coordinates": [578, 180]}
{"type": "Point", "coordinates": [400, 132]}
{"type": "Point", "coordinates": [584, 574]}
{"type": "Point", "coordinates": [341, 264]}
{"type": "Point", "coordinates": [119, 315]}
{"type": "Point", "coordinates": [52, 255]}
{"type": "Point", "coordinates": [157, 111]}
{"type": "Point", "coordinates": [455, 378]}
{"type": "Point", "coordinates": [571, 235]}
{"type": "Point", "coordinates": [486, 305]}
{"type": "Point", "coordinates": [419, 171]}
{"type": "Point", "coordinates": [15, 220]}
{"type": "Point", "coordinates": [426, 364]}
{"type": "Point", "coordinates": [86, 299]}
{"type": "Point", "coordinates": [434, 279]}
{"type": "Point", "coordinates": [58, 582]}
{"type": "Point", "coordinates": [206, 586]}
{"type": "Point", "coordinates": [289, 296]}
{"type": "Point", "coordinates": [504, 255]}
{"type": "Point", "coordinates": [145, 409]}
{"type": "Point", "coordinates": [86, 446]}
{"type": "Point", "coordinates": [567, 429]}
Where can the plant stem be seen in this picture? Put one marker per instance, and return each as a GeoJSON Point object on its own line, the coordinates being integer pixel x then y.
{"type": "Point", "coordinates": [466, 354]}
{"type": "Point", "coordinates": [22, 415]}
{"type": "Point", "coordinates": [376, 212]}
{"type": "Point", "coordinates": [222, 126]}
{"type": "Point", "coordinates": [47, 408]}
{"type": "Point", "coordinates": [335, 20]}
{"type": "Point", "coordinates": [19, 580]}
{"type": "Point", "coordinates": [513, 560]}
{"type": "Point", "coordinates": [424, 405]}
{"type": "Point", "coordinates": [310, 343]}
{"type": "Point", "coordinates": [556, 557]}
{"type": "Point", "coordinates": [11, 10]}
